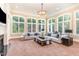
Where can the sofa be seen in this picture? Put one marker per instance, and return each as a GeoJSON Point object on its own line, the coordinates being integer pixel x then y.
{"type": "Point", "coordinates": [30, 35]}
{"type": "Point", "coordinates": [56, 37]}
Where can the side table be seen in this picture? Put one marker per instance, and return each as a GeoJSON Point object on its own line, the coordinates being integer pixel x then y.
{"type": "Point", "coordinates": [67, 41]}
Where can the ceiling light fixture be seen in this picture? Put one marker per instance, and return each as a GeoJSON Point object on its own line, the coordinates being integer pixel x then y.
{"type": "Point", "coordinates": [42, 12]}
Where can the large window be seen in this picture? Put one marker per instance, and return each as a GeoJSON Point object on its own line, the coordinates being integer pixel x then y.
{"type": "Point", "coordinates": [51, 25]}
{"type": "Point", "coordinates": [63, 23]}
{"type": "Point", "coordinates": [41, 25]}
{"type": "Point", "coordinates": [31, 25]}
{"type": "Point", "coordinates": [18, 24]}
{"type": "Point", "coordinates": [77, 22]}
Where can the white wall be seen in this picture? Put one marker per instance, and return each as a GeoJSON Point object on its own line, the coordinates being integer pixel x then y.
{"type": "Point", "coordinates": [2, 28]}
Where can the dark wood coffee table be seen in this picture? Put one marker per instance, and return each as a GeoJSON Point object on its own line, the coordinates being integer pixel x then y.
{"type": "Point", "coordinates": [42, 41]}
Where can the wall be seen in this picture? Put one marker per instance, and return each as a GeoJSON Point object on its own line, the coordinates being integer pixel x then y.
{"type": "Point", "coordinates": [2, 28]}
{"type": "Point", "coordinates": [3, 31]}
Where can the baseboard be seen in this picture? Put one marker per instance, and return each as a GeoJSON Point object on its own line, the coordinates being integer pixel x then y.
{"type": "Point", "coordinates": [15, 37]}
{"type": "Point", "coordinates": [76, 40]}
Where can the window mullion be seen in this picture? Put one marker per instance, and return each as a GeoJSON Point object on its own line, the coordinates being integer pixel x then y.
{"type": "Point", "coordinates": [18, 25]}
{"type": "Point", "coordinates": [51, 27]}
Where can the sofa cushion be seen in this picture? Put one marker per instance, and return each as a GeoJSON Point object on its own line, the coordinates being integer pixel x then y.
{"type": "Point", "coordinates": [54, 35]}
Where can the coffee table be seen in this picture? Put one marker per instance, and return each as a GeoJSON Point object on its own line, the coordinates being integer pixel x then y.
{"type": "Point", "coordinates": [43, 41]}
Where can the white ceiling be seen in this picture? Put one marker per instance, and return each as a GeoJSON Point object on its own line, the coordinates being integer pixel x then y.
{"type": "Point", "coordinates": [32, 8]}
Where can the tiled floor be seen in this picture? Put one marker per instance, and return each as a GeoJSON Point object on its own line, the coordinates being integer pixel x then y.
{"type": "Point", "coordinates": [31, 48]}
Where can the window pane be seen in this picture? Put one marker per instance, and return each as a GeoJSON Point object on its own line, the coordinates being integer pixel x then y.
{"type": "Point", "coordinates": [77, 26]}
{"type": "Point", "coordinates": [77, 15]}
{"type": "Point", "coordinates": [66, 25]}
{"type": "Point", "coordinates": [21, 19]}
{"type": "Point", "coordinates": [42, 27]}
{"type": "Point", "coordinates": [43, 22]}
{"type": "Point", "coordinates": [29, 27]}
{"type": "Point", "coordinates": [39, 21]}
{"type": "Point", "coordinates": [15, 19]}
{"type": "Point", "coordinates": [52, 27]}
{"type": "Point", "coordinates": [29, 20]}
{"type": "Point", "coordinates": [66, 17]}
{"type": "Point", "coordinates": [34, 28]}
{"type": "Point", "coordinates": [33, 20]}
{"type": "Point", "coordinates": [21, 27]}
{"type": "Point", "coordinates": [15, 27]}
{"type": "Point", "coordinates": [60, 19]}
{"type": "Point", "coordinates": [49, 21]}
{"type": "Point", "coordinates": [53, 20]}
{"type": "Point", "coordinates": [60, 27]}
{"type": "Point", "coordinates": [39, 28]}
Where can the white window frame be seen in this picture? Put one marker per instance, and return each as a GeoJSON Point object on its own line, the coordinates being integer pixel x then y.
{"type": "Point", "coordinates": [59, 22]}
{"type": "Point", "coordinates": [75, 22]}
{"type": "Point", "coordinates": [16, 22]}
{"type": "Point", "coordinates": [63, 21]}
{"type": "Point", "coordinates": [31, 23]}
